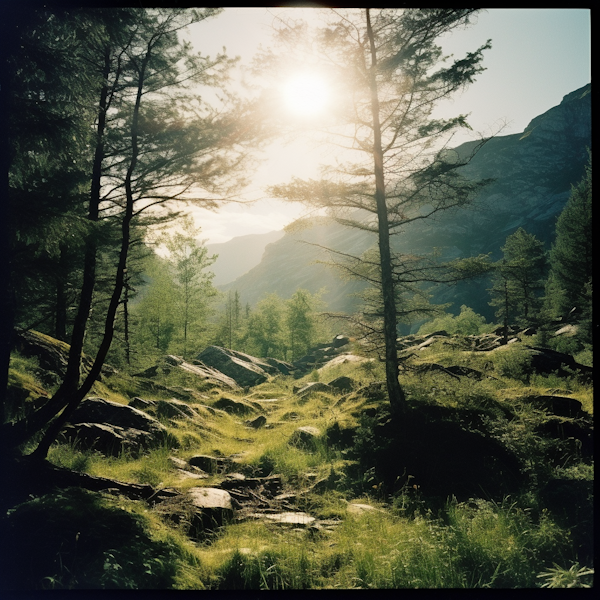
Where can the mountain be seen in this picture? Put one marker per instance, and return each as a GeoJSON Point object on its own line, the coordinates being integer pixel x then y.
{"type": "Point", "coordinates": [239, 255]}
{"type": "Point", "coordinates": [533, 173]}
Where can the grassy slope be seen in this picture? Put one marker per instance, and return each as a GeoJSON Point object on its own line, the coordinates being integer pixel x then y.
{"type": "Point", "coordinates": [407, 542]}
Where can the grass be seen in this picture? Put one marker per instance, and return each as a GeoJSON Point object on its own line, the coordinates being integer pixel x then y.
{"type": "Point", "coordinates": [408, 541]}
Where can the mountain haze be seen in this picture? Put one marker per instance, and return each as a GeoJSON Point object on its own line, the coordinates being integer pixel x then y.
{"type": "Point", "coordinates": [533, 173]}
{"type": "Point", "coordinates": [238, 255]}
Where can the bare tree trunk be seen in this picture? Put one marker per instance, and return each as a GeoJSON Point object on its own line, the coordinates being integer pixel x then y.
{"type": "Point", "coordinates": [395, 392]}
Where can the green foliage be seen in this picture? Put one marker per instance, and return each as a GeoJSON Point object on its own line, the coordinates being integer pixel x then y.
{"type": "Point", "coordinates": [573, 577]}
{"type": "Point", "coordinates": [85, 541]}
{"type": "Point", "coordinates": [467, 322]}
{"type": "Point", "coordinates": [519, 278]}
{"type": "Point", "coordinates": [284, 329]}
{"type": "Point", "coordinates": [571, 253]}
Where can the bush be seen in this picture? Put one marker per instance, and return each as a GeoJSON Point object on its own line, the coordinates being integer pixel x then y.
{"type": "Point", "coordinates": [468, 322]}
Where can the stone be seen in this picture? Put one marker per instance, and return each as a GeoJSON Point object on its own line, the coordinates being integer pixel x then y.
{"type": "Point", "coordinates": [175, 409]}
{"type": "Point", "coordinates": [210, 464]}
{"type": "Point", "coordinates": [198, 510]}
{"type": "Point", "coordinates": [110, 440]}
{"type": "Point", "coordinates": [235, 407]}
{"type": "Point", "coordinates": [305, 437]}
{"type": "Point", "coordinates": [340, 340]}
{"type": "Point", "coordinates": [283, 367]}
{"type": "Point", "coordinates": [355, 508]}
{"type": "Point", "coordinates": [244, 369]}
{"type": "Point", "coordinates": [142, 404]}
{"type": "Point", "coordinates": [344, 384]}
{"type": "Point", "coordinates": [557, 405]}
{"type": "Point", "coordinates": [313, 387]}
{"type": "Point", "coordinates": [257, 423]}
{"type": "Point", "coordinates": [99, 410]}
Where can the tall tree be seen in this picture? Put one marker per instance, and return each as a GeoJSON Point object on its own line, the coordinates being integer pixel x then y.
{"type": "Point", "coordinates": [301, 322]}
{"type": "Point", "coordinates": [193, 287]}
{"type": "Point", "coordinates": [571, 253]}
{"type": "Point", "coordinates": [154, 144]}
{"type": "Point", "coordinates": [392, 75]}
{"type": "Point", "coordinates": [519, 278]}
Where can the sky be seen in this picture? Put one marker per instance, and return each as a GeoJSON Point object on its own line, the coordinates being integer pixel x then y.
{"type": "Point", "coordinates": [537, 57]}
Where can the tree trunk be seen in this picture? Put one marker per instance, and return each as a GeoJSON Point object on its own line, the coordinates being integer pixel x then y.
{"type": "Point", "coordinates": [395, 392]}
{"type": "Point", "coordinates": [24, 429]}
{"type": "Point", "coordinates": [78, 395]}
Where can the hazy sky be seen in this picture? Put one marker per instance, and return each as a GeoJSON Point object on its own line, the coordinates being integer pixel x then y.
{"type": "Point", "coordinates": [537, 57]}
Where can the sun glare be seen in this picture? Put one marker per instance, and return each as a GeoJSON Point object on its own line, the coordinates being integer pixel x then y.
{"type": "Point", "coordinates": [306, 94]}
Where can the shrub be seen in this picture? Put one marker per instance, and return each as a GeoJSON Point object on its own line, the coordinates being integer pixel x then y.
{"type": "Point", "coordinates": [467, 322]}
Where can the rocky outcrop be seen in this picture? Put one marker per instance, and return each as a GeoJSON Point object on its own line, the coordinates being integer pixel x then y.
{"type": "Point", "coordinates": [111, 428]}
{"type": "Point", "coordinates": [206, 375]}
{"type": "Point", "coordinates": [244, 369]}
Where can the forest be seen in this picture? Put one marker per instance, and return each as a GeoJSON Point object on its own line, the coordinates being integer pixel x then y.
{"type": "Point", "coordinates": [161, 433]}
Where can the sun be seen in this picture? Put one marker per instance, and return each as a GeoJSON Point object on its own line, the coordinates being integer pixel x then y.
{"type": "Point", "coordinates": [306, 94]}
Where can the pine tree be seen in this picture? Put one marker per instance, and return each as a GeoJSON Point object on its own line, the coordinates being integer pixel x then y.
{"type": "Point", "coordinates": [571, 253]}
{"type": "Point", "coordinates": [391, 75]}
{"type": "Point", "coordinates": [519, 279]}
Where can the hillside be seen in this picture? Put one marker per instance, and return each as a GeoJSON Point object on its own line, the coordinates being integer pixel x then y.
{"type": "Point", "coordinates": [533, 173]}
{"type": "Point", "coordinates": [238, 255]}
{"type": "Point", "coordinates": [178, 477]}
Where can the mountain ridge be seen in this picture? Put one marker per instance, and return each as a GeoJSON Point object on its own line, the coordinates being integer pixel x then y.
{"type": "Point", "coordinates": [533, 172]}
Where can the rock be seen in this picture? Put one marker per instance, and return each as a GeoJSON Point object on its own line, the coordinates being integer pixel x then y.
{"type": "Point", "coordinates": [210, 464]}
{"type": "Point", "coordinates": [142, 404]}
{"type": "Point", "coordinates": [257, 423]}
{"type": "Point", "coordinates": [235, 407]}
{"type": "Point", "coordinates": [209, 375]}
{"type": "Point", "coordinates": [283, 367]}
{"type": "Point", "coordinates": [340, 340]}
{"type": "Point", "coordinates": [355, 508]}
{"type": "Point", "coordinates": [175, 409]}
{"type": "Point", "coordinates": [340, 437]}
{"type": "Point", "coordinates": [344, 384]}
{"type": "Point", "coordinates": [305, 437]}
{"type": "Point", "coordinates": [546, 361]}
{"type": "Point", "coordinates": [175, 361]}
{"type": "Point", "coordinates": [312, 387]}
{"type": "Point", "coordinates": [286, 518]}
{"type": "Point", "coordinates": [244, 369]}
{"type": "Point", "coordinates": [98, 410]}
{"type": "Point", "coordinates": [345, 358]}
{"type": "Point", "coordinates": [199, 510]}
{"type": "Point", "coordinates": [557, 405]}
{"type": "Point", "coordinates": [110, 440]}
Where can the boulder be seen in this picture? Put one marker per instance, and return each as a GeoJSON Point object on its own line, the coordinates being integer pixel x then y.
{"type": "Point", "coordinates": [244, 369]}
{"type": "Point", "coordinates": [305, 438]}
{"type": "Point", "coordinates": [235, 407]}
{"type": "Point", "coordinates": [142, 404]}
{"type": "Point", "coordinates": [175, 409]}
{"type": "Point", "coordinates": [257, 423]}
{"type": "Point", "coordinates": [340, 340]}
{"type": "Point", "coordinates": [199, 510]}
{"type": "Point", "coordinates": [283, 367]}
{"type": "Point", "coordinates": [547, 361]}
{"type": "Point", "coordinates": [557, 405]}
{"type": "Point", "coordinates": [210, 464]}
{"type": "Point", "coordinates": [343, 384]}
{"type": "Point", "coordinates": [99, 410]}
{"type": "Point", "coordinates": [110, 440]}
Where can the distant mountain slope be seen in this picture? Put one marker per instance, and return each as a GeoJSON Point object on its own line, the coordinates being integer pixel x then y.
{"type": "Point", "coordinates": [533, 174]}
{"type": "Point", "coordinates": [239, 255]}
